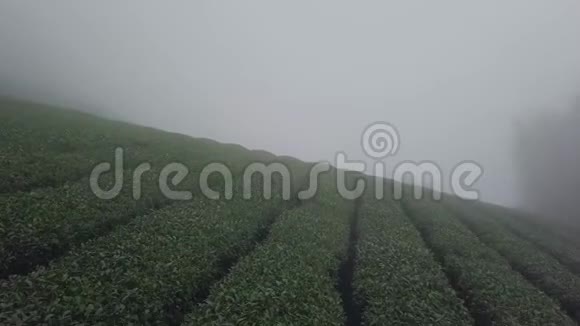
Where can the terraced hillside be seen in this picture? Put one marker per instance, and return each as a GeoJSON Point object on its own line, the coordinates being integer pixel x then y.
{"type": "Point", "coordinates": [68, 257]}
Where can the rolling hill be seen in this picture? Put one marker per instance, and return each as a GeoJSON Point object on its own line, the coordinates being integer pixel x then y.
{"type": "Point", "coordinates": [68, 257]}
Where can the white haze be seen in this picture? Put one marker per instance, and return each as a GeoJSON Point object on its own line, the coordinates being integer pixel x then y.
{"type": "Point", "coordinates": [303, 78]}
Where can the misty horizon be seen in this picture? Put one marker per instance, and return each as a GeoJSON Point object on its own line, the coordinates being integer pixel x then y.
{"type": "Point", "coordinates": [304, 79]}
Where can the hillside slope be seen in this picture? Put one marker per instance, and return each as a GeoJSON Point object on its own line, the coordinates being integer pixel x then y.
{"type": "Point", "coordinates": [68, 257]}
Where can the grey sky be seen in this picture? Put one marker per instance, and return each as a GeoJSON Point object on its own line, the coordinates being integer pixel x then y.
{"type": "Point", "coordinates": [304, 78]}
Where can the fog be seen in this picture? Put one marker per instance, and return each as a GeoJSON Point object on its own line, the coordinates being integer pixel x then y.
{"type": "Point", "coordinates": [304, 78]}
{"type": "Point", "coordinates": [547, 156]}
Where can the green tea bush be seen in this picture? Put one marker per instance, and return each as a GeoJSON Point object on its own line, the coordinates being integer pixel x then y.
{"type": "Point", "coordinates": [567, 252]}
{"type": "Point", "coordinates": [291, 278]}
{"type": "Point", "coordinates": [397, 280]}
{"type": "Point", "coordinates": [494, 292]}
{"type": "Point", "coordinates": [147, 272]}
{"type": "Point", "coordinates": [540, 268]}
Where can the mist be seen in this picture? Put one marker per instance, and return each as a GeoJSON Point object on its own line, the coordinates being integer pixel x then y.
{"type": "Point", "coordinates": [304, 78]}
{"type": "Point", "coordinates": [547, 154]}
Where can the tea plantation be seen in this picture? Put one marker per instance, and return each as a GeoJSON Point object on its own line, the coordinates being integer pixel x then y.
{"type": "Point", "coordinates": [68, 257]}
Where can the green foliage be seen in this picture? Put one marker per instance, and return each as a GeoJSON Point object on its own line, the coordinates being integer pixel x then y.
{"type": "Point", "coordinates": [152, 261]}
{"type": "Point", "coordinates": [397, 279]}
{"type": "Point", "coordinates": [146, 272]}
{"type": "Point", "coordinates": [567, 252]}
{"type": "Point", "coordinates": [290, 279]}
{"type": "Point", "coordinates": [42, 146]}
{"type": "Point", "coordinates": [40, 224]}
{"type": "Point", "coordinates": [540, 268]}
{"type": "Point", "coordinates": [496, 293]}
